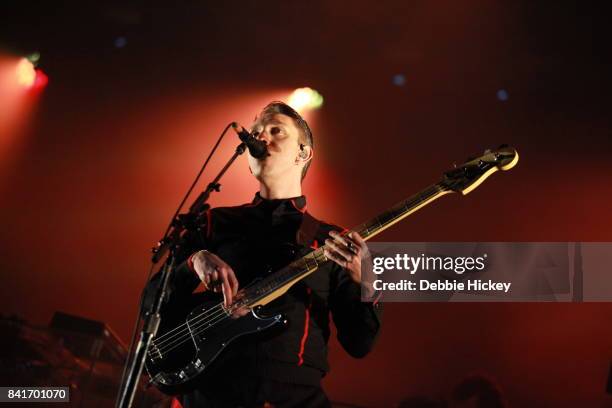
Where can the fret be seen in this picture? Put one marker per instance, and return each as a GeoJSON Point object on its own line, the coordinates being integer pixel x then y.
{"type": "Point", "coordinates": [309, 265]}
{"type": "Point", "coordinates": [283, 273]}
{"type": "Point", "coordinates": [400, 209]}
{"type": "Point", "coordinates": [386, 217]}
{"type": "Point", "coordinates": [297, 268]}
{"type": "Point", "coordinates": [373, 225]}
{"type": "Point", "coordinates": [369, 229]}
{"type": "Point", "coordinates": [361, 229]}
{"type": "Point", "coordinates": [319, 256]}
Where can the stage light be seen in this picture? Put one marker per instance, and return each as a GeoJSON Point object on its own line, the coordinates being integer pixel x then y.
{"type": "Point", "coordinates": [41, 80]}
{"type": "Point", "coordinates": [399, 80]}
{"type": "Point", "coordinates": [305, 99]}
{"type": "Point", "coordinates": [26, 74]}
{"type": "Point", "coordinates": [120, 42]}
{"type": "Point", "coordinates": [502, 95]}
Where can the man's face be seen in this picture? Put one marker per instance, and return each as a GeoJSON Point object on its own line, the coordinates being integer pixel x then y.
{"type": "Point", "coordinates": [282, 137]}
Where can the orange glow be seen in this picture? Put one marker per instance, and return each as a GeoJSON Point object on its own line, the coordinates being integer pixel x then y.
{"type": "Point", "coordinates": [26, 74]}
{"type": "Point", "coordinates": [20, 86]}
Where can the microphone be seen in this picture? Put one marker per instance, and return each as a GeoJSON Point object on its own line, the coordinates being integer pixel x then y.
{"type": "Point", "coordinates": [257, 148]}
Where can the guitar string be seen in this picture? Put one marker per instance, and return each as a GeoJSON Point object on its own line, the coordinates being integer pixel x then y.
{"type": "Point", "coordinates": [188, 338]}
{"type": "Point", "coordinates": [159, 341]}
{"type": "Point", "coordinates": [214, 319]}
{"type": "Point", "coordinates": [191, 331]}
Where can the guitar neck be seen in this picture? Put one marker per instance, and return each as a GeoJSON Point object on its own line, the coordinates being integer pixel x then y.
{"type": "Point", "coordinates": [276, 284]}
{"type": "Point", "coordinates": [400, 211]}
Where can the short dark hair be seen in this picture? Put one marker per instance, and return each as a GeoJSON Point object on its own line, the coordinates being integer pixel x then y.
{"type": "Point", "coordinates": [278, 107]}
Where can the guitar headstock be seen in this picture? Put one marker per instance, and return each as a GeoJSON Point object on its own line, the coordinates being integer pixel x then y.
{"type": "Point", "coordinates": [465, 178]}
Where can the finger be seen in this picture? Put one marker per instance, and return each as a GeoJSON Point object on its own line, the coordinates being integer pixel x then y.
{"type": "Point", "coordinates": [336, 236]}
{"type": "Point", "coordinates": [348, 256]}
{"type": "Point", "coordinates": [335, 258]}
{"type": "Point", "coordinates": [233, 281]}
{"type": "Point", "coordinates": [204, 277]}
{"type": "Point", "coordinates": [359, 246]}
{"type": "Point", "coordinates": [213, 279]}
{"type": "Point", "coordinates": [241, 311]}
{"type": "Point", "coordinates": [207, 279]}
{"type": "Point", "coordinates": [226, 288]}
{"type": "Point", "coordinates": [226, 296]}
{"type": "Point", "coordinates": [354, 248]}
{"type": "Point", "coordinates": [357, 238]}
{"type": "Point", "coordinates": [346, 240]}
{"type": "Point", "coordinates": [205, 283]}
{"type": "Point", "coordinates": [333, 250]}
{"type": "Point", "coordinates": [356, 242]}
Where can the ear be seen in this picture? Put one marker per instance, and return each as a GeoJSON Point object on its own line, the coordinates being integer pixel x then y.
{"type": "Point", "coordinates": [305, 154]}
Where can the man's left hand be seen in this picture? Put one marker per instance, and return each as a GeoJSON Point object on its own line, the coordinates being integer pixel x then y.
{"type": "Point", "coordinates": [350, 252]}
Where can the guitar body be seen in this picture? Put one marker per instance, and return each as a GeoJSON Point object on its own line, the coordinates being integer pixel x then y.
{"type": "Point", "coordinates": [188, 343]}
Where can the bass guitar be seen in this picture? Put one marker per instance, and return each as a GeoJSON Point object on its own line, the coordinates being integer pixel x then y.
{"type": "Point", "coordinates": [181, 353]}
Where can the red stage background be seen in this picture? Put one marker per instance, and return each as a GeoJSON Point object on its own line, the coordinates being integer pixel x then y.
{"type": "Point", "coordinates": [90, 179]}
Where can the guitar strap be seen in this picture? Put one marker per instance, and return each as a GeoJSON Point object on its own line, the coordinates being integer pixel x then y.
{"type": "Point", "coordinates": [307, 232]}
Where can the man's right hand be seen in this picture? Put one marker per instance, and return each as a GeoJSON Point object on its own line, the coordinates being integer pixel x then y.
{"type": "Point", "coordinates": [216, 275]}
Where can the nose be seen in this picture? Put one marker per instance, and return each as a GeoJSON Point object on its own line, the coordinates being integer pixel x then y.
{"type": "Point", "coordinates": [263, 135]}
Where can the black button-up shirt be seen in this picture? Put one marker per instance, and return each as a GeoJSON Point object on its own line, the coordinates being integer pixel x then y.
{"type": "Point", "coordinates": [259, 238]}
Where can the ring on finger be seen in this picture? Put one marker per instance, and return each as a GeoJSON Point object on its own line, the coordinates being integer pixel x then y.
{"type": "Point", "coordinates": [348, 259]}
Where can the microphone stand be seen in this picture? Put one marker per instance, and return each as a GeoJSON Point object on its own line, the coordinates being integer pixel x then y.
{"type": "Point", "coordinates": [168, 244]}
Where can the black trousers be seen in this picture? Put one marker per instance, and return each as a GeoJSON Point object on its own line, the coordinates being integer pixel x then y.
{"type": "Point", "coordinates": [256, 392]}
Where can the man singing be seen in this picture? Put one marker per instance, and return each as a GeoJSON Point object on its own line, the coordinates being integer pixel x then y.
{"type": "Point", "coordinates": [235, 245]}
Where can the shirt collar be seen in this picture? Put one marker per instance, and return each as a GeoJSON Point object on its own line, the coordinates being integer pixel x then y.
{"type": "Point", "coordinates": [293, 203]}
